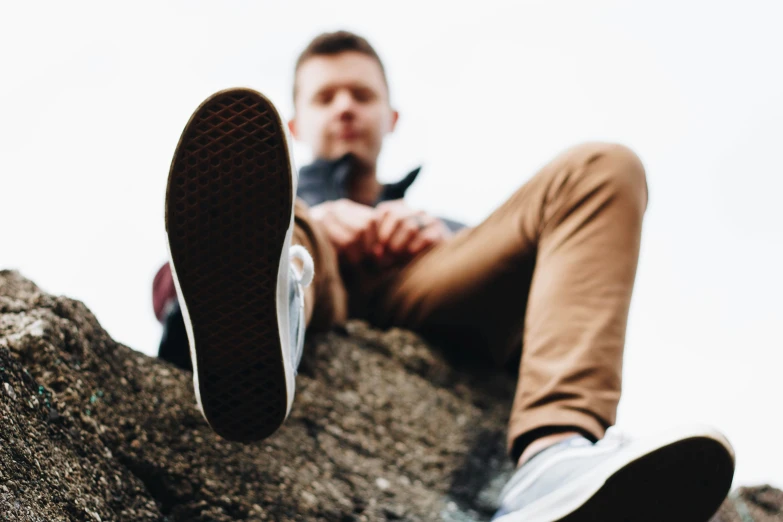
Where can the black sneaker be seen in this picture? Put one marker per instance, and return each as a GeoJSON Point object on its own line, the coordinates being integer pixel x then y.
{"type": "Point", "coordinates": [229, 219]}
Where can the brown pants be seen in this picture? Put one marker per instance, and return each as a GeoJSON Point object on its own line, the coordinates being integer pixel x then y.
{"type": "Point", "coordinates": [552, 270]}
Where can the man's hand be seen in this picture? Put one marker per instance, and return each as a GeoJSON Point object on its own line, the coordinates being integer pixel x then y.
{"type": "Point", "coordinates": [403, 232]}
{"type": "Point", "coordinates": [351, 227]}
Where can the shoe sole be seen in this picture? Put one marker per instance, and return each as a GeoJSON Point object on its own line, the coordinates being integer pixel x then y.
{"type": "Point", "coordinates": [229, 212]}
{"type": "Point", "coordinates": [679, 479]}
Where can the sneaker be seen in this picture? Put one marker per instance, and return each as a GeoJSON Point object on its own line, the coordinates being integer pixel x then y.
{"type": "Point", "coordinates": [683, 476]}
{"type": "Point", "coordinates": [229, 220]}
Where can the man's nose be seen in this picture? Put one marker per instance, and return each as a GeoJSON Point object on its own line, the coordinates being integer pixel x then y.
{"type": "Point", "coordinates": [344, 104]}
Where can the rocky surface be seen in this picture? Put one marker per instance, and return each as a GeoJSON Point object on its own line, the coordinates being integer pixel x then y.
{"type": "Point", "coordinates": [383, 428]}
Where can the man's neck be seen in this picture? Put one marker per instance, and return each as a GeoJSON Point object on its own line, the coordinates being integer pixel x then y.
{"type": "Point", "coordinates": [363, 186]}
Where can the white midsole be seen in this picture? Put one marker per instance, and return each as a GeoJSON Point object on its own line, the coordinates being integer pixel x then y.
{"type": "Point", "coordinates": [283, 318]}
{"type": "Point", "coordinates": [188, 328]}
{"type": "Point", "coordinates": [571, 496]}
{"type": "Point", "coordinates": [283, 273]}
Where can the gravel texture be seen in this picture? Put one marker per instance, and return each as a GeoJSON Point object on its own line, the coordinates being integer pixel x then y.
{"type": "Point", "coordinates": [383, 428]}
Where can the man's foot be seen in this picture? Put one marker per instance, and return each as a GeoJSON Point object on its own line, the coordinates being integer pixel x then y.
{"type": "Point", "coordinates": [680, 477]}
{"type": "Point", "coordinates": [229, 219]}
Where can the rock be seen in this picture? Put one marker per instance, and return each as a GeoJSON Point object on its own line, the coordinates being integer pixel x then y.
{"type": "Point", "coordinates": [383, 428]}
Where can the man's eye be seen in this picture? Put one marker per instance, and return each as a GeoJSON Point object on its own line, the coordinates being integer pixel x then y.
{"type": "Point", "coordinates": [363, 95]}
{"type": "Point", "coordinates": [323, 98]}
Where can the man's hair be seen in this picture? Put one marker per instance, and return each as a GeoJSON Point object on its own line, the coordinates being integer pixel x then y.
{"type": "Point", "coordinates": [330, 44]}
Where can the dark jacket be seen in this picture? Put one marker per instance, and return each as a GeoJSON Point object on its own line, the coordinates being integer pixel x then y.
{"type": "Point", "coordinates": [326, 180]}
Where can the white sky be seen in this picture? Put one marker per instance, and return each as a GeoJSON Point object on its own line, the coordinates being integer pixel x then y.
{"type": "Point", "coordinates": [93, 98]}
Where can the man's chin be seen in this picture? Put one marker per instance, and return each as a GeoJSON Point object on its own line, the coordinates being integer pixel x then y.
{"type": "Point", "coordinates": [360, 157]}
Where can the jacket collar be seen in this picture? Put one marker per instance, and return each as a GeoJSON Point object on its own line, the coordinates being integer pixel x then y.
{"type": "Point", "coordinates": [330, 177]}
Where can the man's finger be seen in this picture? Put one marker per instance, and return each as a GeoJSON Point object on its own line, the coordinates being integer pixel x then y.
{"type": "Point", "coordinates": [400, 216]}
{"type": "Point", "coordinates": [387, 223]}
{"type": "Point", "coordinates": [423, 240]}
{"type": "Point", "coordinates": [340, 236]}
{"type": "Point", "coordinates": [405, 231]}
{"type": "Point", "coordinates": [349, 244]}
{"type": "Point", "coordinates": [370, 236]}
{"type": "Point", "coordinates": [390, 216]}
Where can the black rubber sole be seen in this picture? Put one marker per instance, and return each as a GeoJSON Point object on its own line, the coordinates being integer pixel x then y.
{"type": "Point", "coordinates": [683, 482]}
{"type": "Point", "coordinates": [228, 209]}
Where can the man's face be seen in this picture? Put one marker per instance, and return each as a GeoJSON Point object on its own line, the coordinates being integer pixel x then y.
{"type": "Point", "coordinates": [342, 106]}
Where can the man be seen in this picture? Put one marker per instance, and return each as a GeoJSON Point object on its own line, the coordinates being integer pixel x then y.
{"type": "Point", "coordinates": [551, 270]}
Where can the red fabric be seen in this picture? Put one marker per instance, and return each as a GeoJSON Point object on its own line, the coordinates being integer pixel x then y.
{"type": "Point", "coordinates": [163, 291]}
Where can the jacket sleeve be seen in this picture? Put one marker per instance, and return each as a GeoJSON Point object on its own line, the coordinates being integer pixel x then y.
{"type": "Point", "coordinates": [454, 226]}
{"type": "Point", "coordinates": [163, 292]}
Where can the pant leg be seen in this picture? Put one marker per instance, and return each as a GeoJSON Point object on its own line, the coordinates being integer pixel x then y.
{"type": "Point", "coordinates": [554, 267]}
{"type": "Point", "coordinates": [174, 346]}
{"type": "Point", "coordinates": [325, 299]}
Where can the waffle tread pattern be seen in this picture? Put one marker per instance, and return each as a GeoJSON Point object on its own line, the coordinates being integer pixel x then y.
{"type": "Point", "coordinates": [228, 208]}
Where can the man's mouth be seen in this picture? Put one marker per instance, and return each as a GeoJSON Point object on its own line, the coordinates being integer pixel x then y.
{"type": "Point", "coordinates": [348, 134]}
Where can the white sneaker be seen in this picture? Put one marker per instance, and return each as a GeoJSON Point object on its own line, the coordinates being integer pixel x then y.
{"type": "Point", "coordinates": [680, 476]}
{"type": "Point", "coordinates": [229, 219]}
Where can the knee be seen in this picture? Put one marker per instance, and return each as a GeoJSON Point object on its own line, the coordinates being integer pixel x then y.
{"type": "Point", "coordinates": [615, 167]}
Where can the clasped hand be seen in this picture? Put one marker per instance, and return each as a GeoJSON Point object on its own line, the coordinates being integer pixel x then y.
{"type": "Point", "coordinates": [390, 233]}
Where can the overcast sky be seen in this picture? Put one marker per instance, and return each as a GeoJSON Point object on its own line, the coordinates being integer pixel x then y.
{"type": "Point", "coordinates": [93, 98]}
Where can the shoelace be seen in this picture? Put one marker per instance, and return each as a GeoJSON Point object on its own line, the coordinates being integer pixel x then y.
{"type": "Point", "coordinates": [301, 279]}
{"type": "Point", "coordinates": [308, 269]}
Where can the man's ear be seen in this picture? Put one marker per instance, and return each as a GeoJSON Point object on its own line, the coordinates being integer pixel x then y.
{"type": "Point", "coordinates": [292, 128]}
{"type": "Point", "coordinates": [395, 115]}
